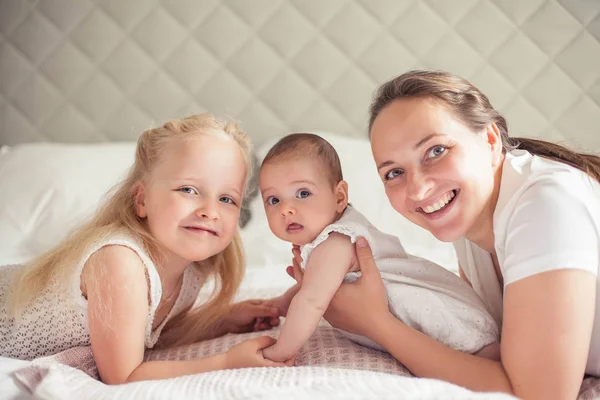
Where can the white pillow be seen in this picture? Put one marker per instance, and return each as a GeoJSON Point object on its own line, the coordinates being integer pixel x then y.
{"type": "Point", "coordinates": [367, 195]}
{"type": "Point", "coordinates": [48, 188]}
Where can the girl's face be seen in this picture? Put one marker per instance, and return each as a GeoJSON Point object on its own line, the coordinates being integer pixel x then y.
{"type": "Point", "coordinates": [192, 198]}
{"type": "Point", "coordinates": [437, 172]}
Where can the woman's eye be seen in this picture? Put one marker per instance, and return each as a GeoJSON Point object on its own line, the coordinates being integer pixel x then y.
{"type": "Point", "coordinates": [302, 194]}
{"type": "Point", "coordinates": [188, 190]}
{"type": "Point", "coordinates": [436, 151]}
{"type": "Point", "coordinates": [272, 200]}
{"type": "Point", "coordinates": [226, 200]}
{"type": "Point", "coordinates": [393, 174]}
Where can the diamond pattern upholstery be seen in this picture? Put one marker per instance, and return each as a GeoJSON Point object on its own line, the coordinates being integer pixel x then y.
{"type": "Point", "coordinates": [103, 70]}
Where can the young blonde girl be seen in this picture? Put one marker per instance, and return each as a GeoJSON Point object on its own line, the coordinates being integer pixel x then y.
{"type": "Point", "coordinates": [128, 278]}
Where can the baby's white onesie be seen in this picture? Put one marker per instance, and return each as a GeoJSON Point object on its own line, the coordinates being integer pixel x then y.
{"type": "Point", "coordinates": [420, 293]}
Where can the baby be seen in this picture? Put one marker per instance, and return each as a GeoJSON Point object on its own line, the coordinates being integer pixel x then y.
{"type": "Point", "coordinates": [306, 201]}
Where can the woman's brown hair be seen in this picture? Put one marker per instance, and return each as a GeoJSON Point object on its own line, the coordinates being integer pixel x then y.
{"type": "Point", "coordinates": [474, 109]}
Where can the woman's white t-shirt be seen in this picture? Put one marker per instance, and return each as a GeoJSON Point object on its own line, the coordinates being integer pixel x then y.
{"type": "Point", "coordinates": [547, 218]}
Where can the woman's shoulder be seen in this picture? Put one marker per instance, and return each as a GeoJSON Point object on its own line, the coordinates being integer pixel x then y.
{"type": "Point", "coordinates": [526, 169]}
{"type": "Point", "coordinates": [527, 178]}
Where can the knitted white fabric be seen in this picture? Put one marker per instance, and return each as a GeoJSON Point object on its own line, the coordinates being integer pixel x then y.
{"type": "Point", "coordinates": [57, 319]}
{"type": "Point", "coordinates": [329, 366]}
{"type": "Point", "coordinates": [421, 293]}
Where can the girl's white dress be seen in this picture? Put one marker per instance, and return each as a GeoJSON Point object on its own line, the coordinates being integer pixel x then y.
{"type": "Point", "coordinates": [58, 318]}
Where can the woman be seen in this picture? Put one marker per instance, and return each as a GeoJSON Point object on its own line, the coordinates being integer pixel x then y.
{"type": "Point", "coordinates": [524, 217]}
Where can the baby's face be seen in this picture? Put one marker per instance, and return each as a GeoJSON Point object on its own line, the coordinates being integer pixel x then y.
{"type": "Point", "coordinates": [299, 199]}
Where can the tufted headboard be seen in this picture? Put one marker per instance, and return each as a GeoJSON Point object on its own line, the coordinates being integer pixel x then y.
{"type": "Point", "coordinates": [103, 70]}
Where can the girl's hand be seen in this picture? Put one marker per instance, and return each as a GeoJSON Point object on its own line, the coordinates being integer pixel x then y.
{"type": "Point", "coordinates": [251, 316]}
{"type": "Point", "coordinates": [250, 354]}
{"type": "Point", "coordinates": [281, 303]}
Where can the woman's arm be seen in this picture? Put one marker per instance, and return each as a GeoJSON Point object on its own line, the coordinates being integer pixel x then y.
{"type": "Point", "coordinates": [546, 334]}
{"type": "Point", "coordinates": [547, 327]}
{"type": "Point", "coordinates": [328, 264]}
{"type": "Point", "coordinates": [115, 283]}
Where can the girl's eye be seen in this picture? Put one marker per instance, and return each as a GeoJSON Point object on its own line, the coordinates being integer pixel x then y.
{"type": "Point", "coordinates": [272, 200]}
{"type": "Point", "coordinates": [393, 174]}
{"type": "Point", "coordinates": [188, 190]}
{"type": "Point", "coordinates": [436, 151]}
{"type": "Point", "coordinates": [302, 194]}
{"type": "Point", "coordinates": [226, 200]}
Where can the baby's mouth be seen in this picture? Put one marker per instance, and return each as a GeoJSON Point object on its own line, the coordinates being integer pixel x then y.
{"type": "Point", "coordinates": [294, 228]}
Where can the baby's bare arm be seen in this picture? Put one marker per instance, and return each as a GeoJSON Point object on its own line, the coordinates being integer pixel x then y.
{"type": "Point", "coordinates": [282, 303]}
{"type": "Point", "coordinates": [325, 271]}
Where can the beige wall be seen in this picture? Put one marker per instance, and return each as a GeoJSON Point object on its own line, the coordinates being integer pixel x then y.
{"type": "Point", "coordinates": [81, 71]}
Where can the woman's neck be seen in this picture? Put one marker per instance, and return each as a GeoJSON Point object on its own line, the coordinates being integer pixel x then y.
{"type": "Point", "coordinates": [482, 233]}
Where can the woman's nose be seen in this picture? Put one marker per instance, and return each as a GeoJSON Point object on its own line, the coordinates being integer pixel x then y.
{"type": "Point", "coordinates": [418, 186]}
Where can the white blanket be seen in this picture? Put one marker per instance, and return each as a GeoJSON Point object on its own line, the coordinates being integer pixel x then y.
{"type": "Point", "coordinates": [329, 366]}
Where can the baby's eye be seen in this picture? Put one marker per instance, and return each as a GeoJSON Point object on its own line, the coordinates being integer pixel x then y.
{"type": "Point", "coordinates": [394, 173]}
{"type": "Point", "coordinates": [302, 194]}
{"type": "Point", "coordinates": [188, 190]}
{"type": "Point", "coordinates": [226, 200]}
{"type": "Point", "coordinates": [272, 201]}
{"type": "Point", "coordinates": [436, 151]}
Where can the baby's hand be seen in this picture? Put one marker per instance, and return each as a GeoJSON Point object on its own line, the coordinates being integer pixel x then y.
{"type": "Point", "coordinates": [294, 270]}
{"type": "Point", "coordinates": [249, 354]}
{"type": "Point", "coordinates": [270, 353]}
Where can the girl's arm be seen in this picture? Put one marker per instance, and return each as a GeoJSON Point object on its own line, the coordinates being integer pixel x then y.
{"type": "Point", "coordinates": [114, 280]}
{"type": "Point", "coordinates": [328, 264]}
{"type": "Point", "coordinates": [548, 321]}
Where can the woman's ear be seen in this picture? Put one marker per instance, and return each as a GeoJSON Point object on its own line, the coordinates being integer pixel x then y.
{"type": "Point", "coordinates": [493, 137]}
{"type": "Point", "coordinates": [139, 200]}
{"type": "Point", "coordinates": [341, 193]}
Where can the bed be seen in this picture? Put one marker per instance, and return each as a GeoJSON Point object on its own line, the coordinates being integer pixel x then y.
{"type": "Point", "coordinates": [68, 181]}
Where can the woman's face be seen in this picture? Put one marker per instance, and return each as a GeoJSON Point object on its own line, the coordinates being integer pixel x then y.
{"type": "Point", "coordinates": [437, 172]}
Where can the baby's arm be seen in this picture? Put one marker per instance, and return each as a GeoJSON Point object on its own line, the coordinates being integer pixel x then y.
{"type": "Point", "coordinates": [282, 303]}
{"type": "Point", "coordinates": [327, 266]}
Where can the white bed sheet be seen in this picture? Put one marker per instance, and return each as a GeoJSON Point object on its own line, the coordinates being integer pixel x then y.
{"type": "Point", "coordinates": [329, 367]}
{"type": "Point", "coordinates": [8, 389]}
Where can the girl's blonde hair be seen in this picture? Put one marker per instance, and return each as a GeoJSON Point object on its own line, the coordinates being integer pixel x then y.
{"type": "Point", "coordinates": [118, 213]}
{"type": "Point", "coordinates": [473, 108]}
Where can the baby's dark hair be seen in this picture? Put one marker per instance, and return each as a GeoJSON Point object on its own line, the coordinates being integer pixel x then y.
{"type": "Point", "coordinates": [309, 145]}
